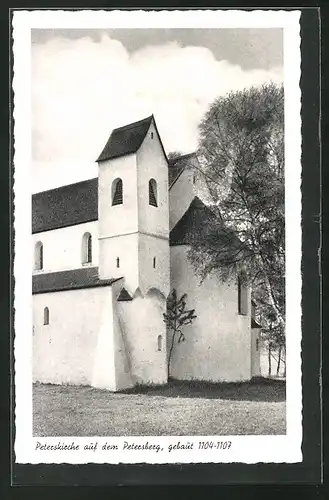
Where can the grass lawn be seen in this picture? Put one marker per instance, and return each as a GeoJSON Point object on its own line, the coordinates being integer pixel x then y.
{"type": "Point", "coordinates": [181, 408]}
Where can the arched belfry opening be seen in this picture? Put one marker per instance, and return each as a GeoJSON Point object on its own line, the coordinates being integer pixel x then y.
{"type": "Point", "coordinates": [117, 192]}
{"type": "Point", "coordinates": [153, 193]}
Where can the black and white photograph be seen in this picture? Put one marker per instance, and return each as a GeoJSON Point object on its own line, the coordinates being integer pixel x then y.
{"type": "Point", "coordinates": [158, 244]}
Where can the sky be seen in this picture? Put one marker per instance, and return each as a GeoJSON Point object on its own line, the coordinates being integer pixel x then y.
{"type": "Point", "coordinates": [87, 82]}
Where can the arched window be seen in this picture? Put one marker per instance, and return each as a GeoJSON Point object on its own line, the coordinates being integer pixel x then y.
{"type": "Point", "coordinates": [117, 192]}
{"type": "Point", "coordinates": [86, 249]}
{"type": "Point", "coordinates": [38, 256]}
{"type": "Point", "coordinates": [118, 262]}
{"type": "Point", "coordinates": [153, 193]}
{"type": "Point", "coordinates": [159, 342]}
{"type": "Point", "coordinates": [242, 295]}
{"type": "Point", "coordinates": [46, 316]}
{"type": "Point", "coordinates": [154, 262]}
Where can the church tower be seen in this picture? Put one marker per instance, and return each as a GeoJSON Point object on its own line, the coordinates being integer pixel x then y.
{"type": "Point", "coordinates": [133, 218]}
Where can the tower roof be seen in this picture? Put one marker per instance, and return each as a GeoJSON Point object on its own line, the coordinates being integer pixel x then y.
{"type": "Point", "coordinates": [127, 140]}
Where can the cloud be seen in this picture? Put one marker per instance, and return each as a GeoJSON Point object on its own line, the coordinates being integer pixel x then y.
{"type": "Point", "coordinates": [82, 89]}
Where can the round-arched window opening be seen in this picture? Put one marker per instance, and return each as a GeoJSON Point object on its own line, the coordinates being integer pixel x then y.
{"type": "Point", "coordinates": [159, 342]}
{"type": "Point", "coordinates": [117, 192]}
{"type": "Point", "coordinates": [38, 256]}
{"type": "Point", "coordinates": [153, 193]}
{"type": "Point", "coordinates": [46, 316]}
{"type": "Point", "coordinates": [86, 249]}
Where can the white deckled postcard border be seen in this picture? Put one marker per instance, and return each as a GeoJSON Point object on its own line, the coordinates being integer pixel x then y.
{"type": "Point", "coordinates": [243, 449]}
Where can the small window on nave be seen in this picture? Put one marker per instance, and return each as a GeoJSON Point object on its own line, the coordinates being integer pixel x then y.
{"type": "Point", "coordinates": [38, 256]}
{"type": "Point", "coordinates": [46, 316]}
{"type": "Point", "coordinates": [242, 296]}
{"type": "Point", "coordinates": [159, 342]}
{"type": "Point", "coordinates": [117, 192]}
{"type": "Point", "coordinates": [86, 249]}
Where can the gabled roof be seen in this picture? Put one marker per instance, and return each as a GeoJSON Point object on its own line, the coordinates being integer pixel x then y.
{"type": "Point", "coordinates": [124, 296]}
{"type": "Point", "coordinates": [193, 219]}
{"type": "Point", "coordinates": [176, 167]}
{"type": "Point", "coordinates": [125, 140]}
{"type": "Point", "coordinates": [65, 206]}
{"type": "Point", "coordinates": [73, 279]}
{"type": "Point", "coordinates": [128, 139]}
{"type": "Point", "coordinates": [197, 217]}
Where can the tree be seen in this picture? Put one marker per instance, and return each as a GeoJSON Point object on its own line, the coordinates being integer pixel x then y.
{"type": "Point", "coordinates": [241, 157]}
{"type": "Point", "coordinates": [175, 318]}
{"type": "Point", "coordinates": [273, 337]}
{"type": "Point", "coordinates": [173, 155]}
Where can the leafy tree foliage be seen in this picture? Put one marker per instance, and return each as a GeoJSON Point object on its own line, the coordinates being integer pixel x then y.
{"type": "Point", "coordinates": [173, 155]}
{"type": "Point", "coordinates": [176, 317]}
{"type": "Point", "coordinates": [241, 157]}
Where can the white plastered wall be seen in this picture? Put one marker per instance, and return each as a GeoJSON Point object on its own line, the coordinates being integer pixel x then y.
{"type": "Point", "coordinates": [152, 164]}
{"type": "Point", "coordinates": [117, 219]}
{"type": "Point", "coordinates": [83, 343]}
{"type": "Point", "coordinates": [181, 195]}
{"type": "Point", "coordinates": [64, 351]}
{"type": "Point", "coordinates": [124, 248]}
{"type": "Point", "coordinates": [218, 343]}
{"type": "Point", "coordinates": [62, 247]}
{"type": "Point", "coordinates": [150, 247]}
{"type": "Point", "coordinates": [141, 322]}
{"type": "Point", "coordinates": [255, 353]}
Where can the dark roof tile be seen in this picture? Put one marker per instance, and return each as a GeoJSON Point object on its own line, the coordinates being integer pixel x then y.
{"type": "Point", "coordinates": [124, 296]}
{"type": "Point", "coordinates": [73, 279]}
{"type": "Point", "coordinates": [65, 206]}
{"type": "Point", "coordinates": [176, 167]}
{"type": "Point", "coordinates": [195, 216]}
{"type": "Point", "coordinates": [125, 140]}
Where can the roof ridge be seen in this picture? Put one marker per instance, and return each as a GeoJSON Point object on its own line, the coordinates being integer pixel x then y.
{"type": "Point", "coordinates": [70, 279]}
{"type": "Point", "coordinates": [133, 124]}
{"type": "Point", "coordinates": [126, 139]}
{"type": "Point", "coordinates": [65, 185]}
{"type": "Point", "coordinates": [181, 157]}
{"type": "Point", "coordinates": [196, 199]}
{"type": "Point", "coordinates": [180, 230]}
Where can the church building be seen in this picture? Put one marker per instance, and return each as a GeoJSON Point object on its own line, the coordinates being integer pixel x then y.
{"type": "Point", "coordinates": [107, 253]}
